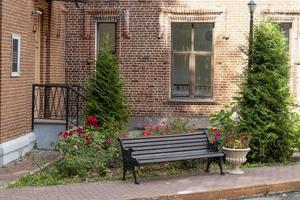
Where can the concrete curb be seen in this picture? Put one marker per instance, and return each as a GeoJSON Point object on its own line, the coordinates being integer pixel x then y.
{"type": "Point", "coordinates": [258, 190]}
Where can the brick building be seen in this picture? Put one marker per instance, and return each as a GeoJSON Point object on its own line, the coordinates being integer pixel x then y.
{"type": "Point", "coordinates": [31, 41]}
{"type": "Point", "coordinates": [177, 57]}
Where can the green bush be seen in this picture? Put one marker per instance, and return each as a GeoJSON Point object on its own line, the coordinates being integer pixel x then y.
{"type": "Point", "coordinates": [265, 101]}
{"type": "Point", "coordinates": [105, 98]}
{"type": "Point", "coordinates": [88, 151]}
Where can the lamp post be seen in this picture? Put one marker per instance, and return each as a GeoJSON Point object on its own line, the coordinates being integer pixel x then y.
{"type": "Point", "coordinates": [251, 6]}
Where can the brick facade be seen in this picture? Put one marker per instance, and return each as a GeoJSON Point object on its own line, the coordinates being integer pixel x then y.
{"type": "Point", "coordinates": [15, 92]}
{"type": "Point", "coordinates": [143, 47]}
{"type": "Point", "coordinates": [145, 53]}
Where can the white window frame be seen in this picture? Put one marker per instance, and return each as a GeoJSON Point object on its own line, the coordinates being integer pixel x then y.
{"type": "Point", "coordinates": [15, 37]}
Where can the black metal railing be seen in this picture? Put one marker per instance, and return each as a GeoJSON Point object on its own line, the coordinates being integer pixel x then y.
{"type": "Point", "coordinates": [58, 102]}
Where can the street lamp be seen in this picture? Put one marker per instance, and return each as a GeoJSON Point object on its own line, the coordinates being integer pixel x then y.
{"type": "Point", "coordinates": [251, 6]}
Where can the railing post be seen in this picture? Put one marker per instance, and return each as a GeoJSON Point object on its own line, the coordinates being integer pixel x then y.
{"type": "Point", "coordinates": [67, 108]}
{"type": "Point", "coordinates": [33, 107]}
{"type": "Point", "coordinates": [77, 109]}
{"type": "Point", "coordinates": [45, 101]}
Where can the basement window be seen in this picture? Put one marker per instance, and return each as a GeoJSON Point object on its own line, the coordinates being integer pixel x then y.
{"type": "Point", "coordinates": [15, 55]}
{"type": "Point", "coordinates": [106, 33]}
{"type": "Point", "coordinates": [192, 58]}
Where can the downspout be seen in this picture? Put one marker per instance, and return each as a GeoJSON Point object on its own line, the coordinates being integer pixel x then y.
{"type": "Point", "coordinates": [48, 45]}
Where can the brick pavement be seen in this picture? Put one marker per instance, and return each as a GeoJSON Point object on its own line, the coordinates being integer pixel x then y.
{"type": "Point", "coordinates": [28, 164]}
{"type": "Point", "coordinates": [212, 186]}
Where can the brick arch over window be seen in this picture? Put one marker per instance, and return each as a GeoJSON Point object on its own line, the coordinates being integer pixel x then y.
{"type": "Point", "coordinates": [106, 14]}
{"type": "Point", "coordinates": [184, 14]}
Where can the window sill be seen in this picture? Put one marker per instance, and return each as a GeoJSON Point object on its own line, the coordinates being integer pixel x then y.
{"type": "Point", "coordinates": [192, 100]}
{"type": "Point", "coordinates": [15, 75]}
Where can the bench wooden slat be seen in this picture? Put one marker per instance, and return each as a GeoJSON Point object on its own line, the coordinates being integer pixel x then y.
{"type": "Point", "coordinates": [175, 149]}
{"type": "Point", "coordinates": [192, 144]}
{"type": "Point", "coordinates": [172, 154]}
{"type": "Point", "coordinates": [160, 143]}
{"type": "Point", "coordinates": [160, 138]}
{"type": "Point", "coordinates": [157, 160]}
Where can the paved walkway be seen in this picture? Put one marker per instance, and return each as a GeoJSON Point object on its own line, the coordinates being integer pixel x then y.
{"type": "Point", "coordinates": [212, 186]}
{"type": "Point", "coordinates": [28, 164]}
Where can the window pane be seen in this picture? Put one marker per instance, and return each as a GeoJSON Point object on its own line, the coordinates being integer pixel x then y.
{"type": "Point", "coordinates": [106, 32]}
{"type": "Point", "coordinates": [203, 76]}
{"type": "Point", "coordinates": [285, 28]}
{"type": "Point", "coordinates": [181, 36]}
{"type": "Point", "coordinates": [15, 56]}
{"type": "Point", "coordinates": [203, 36]}
{"type": "Point", "coordinates": [180, 76]}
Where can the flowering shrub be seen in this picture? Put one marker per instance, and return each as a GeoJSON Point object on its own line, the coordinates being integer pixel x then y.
{"type": "Point", "coordinates": [88, 150]}
{"type": "Point", "coordinates": [226, 129]}
{"type": "Point", "coordinates": [169, 127]}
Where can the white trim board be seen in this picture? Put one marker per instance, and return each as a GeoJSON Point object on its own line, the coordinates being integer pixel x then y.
{"type": "Point", "coordinates": [16, 148]}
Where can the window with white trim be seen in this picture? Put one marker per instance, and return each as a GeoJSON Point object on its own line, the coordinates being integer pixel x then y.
{"type": "Point", "coordinates": [192, 58]}
{"type": "Point", "coordinates": [15, 55]}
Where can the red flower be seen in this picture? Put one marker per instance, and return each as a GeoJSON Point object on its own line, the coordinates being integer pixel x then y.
{"type": "Point", "coordinates": [156, 129]}
{"type": "Point", "coordinates": [65, 134]}
{"type": "Point", "coordinates": [91, 121]}
{"type": "Point", "coordinates": [79, 131]}
{"type": "Point", "coordinates": [147, 132]}
{"type": "Point", "coordinates": [60, 133]}
{"type": "Point", "coordinates": [71, 132]}
{"type": "Point", "coordinates": [89, 139]}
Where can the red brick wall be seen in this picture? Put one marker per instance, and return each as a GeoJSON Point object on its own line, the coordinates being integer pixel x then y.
{"type": "Point", "coordinates": [15, 94]}
{"type": "Point", "coordinates": [145, 59]}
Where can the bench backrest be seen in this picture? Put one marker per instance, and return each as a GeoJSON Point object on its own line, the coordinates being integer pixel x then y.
{"type": "Point", "coordinates": [196, 141]}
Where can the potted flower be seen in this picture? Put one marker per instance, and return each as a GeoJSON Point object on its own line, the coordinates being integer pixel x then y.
{"type": "Point", "coordinates": [227, 132]}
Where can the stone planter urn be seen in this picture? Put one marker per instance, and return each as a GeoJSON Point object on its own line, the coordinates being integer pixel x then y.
{"type": "Point", "coordinates": [236, 157]}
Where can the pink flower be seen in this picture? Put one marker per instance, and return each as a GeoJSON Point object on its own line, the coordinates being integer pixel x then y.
{"type": "Point", "coordinates": [216, 136]}
{"type": "Point", "coordinates": [124, 135]}
{"type": "Point", "coordinates": [109, 140]}
{"type": "Point", "coordinates": [156, 128]}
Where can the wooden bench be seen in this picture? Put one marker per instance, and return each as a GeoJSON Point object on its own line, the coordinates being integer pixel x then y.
{"type": "Point", "coordinates": [156, 149]}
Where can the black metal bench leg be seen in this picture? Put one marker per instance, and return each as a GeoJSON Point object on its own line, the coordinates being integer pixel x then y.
{"type": "Point", "coordinates": [124, 172]}
{"type": "Point", "coordinates": [208, 164]}
{"type": "Point", "coordinates": [134, 175]}
{"type": "Point", "coordinates": [219, 161]}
